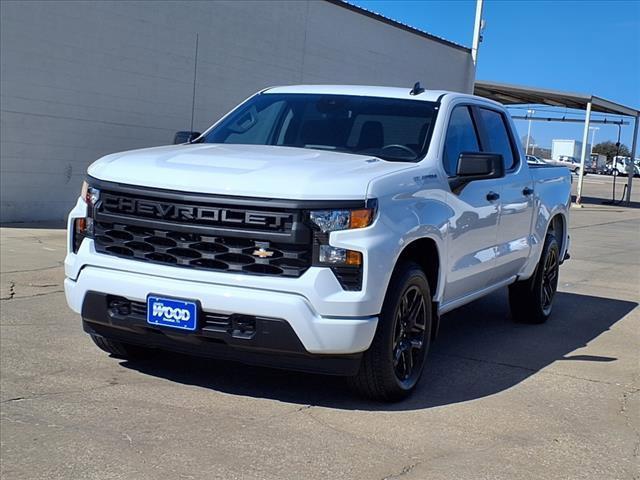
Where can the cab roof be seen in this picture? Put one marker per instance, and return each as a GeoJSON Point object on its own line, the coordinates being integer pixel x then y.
{"type": "Point", "coordinates": [362, 91]}
{"type": "Point", "coordinates": [382, 92]}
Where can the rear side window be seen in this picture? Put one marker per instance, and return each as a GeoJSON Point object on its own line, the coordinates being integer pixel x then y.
{"type": "Point", "coordinates": [497, 136]}
{"type": "Point", "coordinates": [461, 137]}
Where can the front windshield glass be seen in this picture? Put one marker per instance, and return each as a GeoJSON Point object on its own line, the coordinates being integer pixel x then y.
{"type": "Point", "coordinates": [394, 130]}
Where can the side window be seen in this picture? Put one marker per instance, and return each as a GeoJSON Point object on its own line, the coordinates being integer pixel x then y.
{"type": "Point", "coordinates": [461, 137]}
{"type": "Point", "coordinates": [498, 136]}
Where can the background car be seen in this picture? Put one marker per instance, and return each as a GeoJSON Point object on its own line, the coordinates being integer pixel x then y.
{"type": "Point", "coordinates": [573, 164]}
{"type": "Point", "coordinates": [533, 160]}
{"type": "Point", "coordinates": [622, 166]}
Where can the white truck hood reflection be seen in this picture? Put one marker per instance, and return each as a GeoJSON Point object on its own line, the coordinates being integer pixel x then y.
{"type": "Point", "coordinates": [247, 170]}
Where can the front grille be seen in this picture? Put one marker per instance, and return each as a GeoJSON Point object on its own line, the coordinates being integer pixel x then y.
{"type": "Point", "coordinates": [204, 252]}
{"type": "Point", "coordinates": [252, 236]}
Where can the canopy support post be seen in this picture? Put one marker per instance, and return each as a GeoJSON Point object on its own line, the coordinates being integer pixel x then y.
{"type": "Point", "coordinates": [634, 146]}
{"type": "Point", "coordinates": [583, 156]}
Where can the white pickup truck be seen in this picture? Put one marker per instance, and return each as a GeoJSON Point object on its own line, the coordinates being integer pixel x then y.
{"type": "Point", "coordinates": [318, 228]}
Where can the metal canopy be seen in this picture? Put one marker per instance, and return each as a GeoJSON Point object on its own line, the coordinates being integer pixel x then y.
{"type": "Point", "coordinates": [517, 94]}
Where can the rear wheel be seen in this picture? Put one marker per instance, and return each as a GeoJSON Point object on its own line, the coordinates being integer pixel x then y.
{"type": "Point", "coordinates": [119, 349]}
{"type": "Point", "coordinates": [531, 300]}
{"type": "Point", "coordinates": [392, 366]}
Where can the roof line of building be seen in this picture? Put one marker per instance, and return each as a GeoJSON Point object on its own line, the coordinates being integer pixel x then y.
{"type": "Point", "coordinates": [397, 24]}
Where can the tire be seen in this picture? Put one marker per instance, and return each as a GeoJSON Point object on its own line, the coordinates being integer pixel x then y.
{"type": "Point", "coordinates": [119, 349]}
{"type": "Point", "coordinates": [531, 300]}
{"type": "Point", "coordinates": [393, 364]}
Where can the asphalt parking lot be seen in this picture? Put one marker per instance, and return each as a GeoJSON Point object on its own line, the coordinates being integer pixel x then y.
{"type": "Point", "coordinates": [498, 400]}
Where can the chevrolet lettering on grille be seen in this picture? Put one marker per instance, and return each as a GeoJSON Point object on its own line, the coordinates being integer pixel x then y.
{"type": "Point", "coordinates": [196, 213]}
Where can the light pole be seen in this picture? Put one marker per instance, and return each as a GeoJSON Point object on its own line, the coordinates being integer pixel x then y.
{"type": "Point", "coordinates": [593, 136]}
{"type": "Point", "coordinates": [529, 113]}
{"type": "Point", "coordinates": [478, 26]}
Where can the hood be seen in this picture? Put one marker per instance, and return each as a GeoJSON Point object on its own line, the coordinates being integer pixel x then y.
{"type": "Point", "coordinates": [247, 170]}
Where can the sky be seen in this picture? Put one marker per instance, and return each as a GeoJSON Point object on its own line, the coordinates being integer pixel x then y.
{"type": "Point", "coordinates": [590, 47]}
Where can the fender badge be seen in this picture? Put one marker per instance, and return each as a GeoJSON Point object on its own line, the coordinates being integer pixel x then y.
{"type": "Point", "coordinates": [262, 253]}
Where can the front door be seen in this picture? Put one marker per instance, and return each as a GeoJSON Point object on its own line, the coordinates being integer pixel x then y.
{"type": "Point", "coordinates": [473, 224]}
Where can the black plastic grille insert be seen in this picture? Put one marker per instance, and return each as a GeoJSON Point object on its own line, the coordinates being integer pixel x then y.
{"type": "Point", "coordinates": [204, 252]}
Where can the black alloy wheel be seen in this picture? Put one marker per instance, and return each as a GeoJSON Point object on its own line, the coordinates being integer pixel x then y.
{"type": "Point", "coordinates": [409, 335]}
{"type": "Point", "coordinates": [393, 364]}
{"type": "Point", "coordinates": [549, 282]}
{"type": "Point", "coordinates": [531, 300]}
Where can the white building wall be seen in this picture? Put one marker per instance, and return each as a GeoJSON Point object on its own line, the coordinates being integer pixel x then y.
{"type": "Point", "coordinates": [83, 79]}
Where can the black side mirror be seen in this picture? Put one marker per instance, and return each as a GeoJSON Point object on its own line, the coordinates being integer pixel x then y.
{"type": "Point", "coordinates": [185, 137]}
{"type": "Point", "coordinates": [476, 166]}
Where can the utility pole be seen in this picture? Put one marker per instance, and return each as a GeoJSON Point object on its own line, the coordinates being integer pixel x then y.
{"type": "Point", "coordinates": [529, 113]}
{"type": "Point", "coordinates": [593, 136]}
{"type": "Point", "coordinates": [193, 98]}
{"type": "Point", "coordinates": [477, 33]}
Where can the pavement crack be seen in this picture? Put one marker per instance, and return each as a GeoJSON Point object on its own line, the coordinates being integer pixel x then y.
{"type": "Point", "coordinates": [13, 297]}
{"type": "Point", "coordinates": [57, 265]}
{"type": "Point", "coordinates": [35, 396]}
{"type": "Point", "coordinates": [624, 400]}
{"type": "Point", "coordinates": [406, 469]}
{"type": "Point", "coordinates": [15, 399]}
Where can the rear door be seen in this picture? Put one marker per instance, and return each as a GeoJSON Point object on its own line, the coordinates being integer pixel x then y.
{"type": "Point", "coordinates": [474, 214]}
{"type": "Point", "coordinates": [516, 193]}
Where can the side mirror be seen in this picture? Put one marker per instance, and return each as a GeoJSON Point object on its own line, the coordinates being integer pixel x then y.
{"type": "Point", "coordinates": [185, 137]}
{"type": "Point", "coordinates": [476, 166]}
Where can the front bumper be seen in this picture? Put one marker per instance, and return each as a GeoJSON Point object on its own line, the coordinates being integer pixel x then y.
{"type": "Point", "coordinates": [317, 334]}
{"type": "Point", "coordinates": [271, 342]}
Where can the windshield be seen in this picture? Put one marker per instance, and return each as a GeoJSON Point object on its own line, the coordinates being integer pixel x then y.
{"type": "Point", "coordinates": [394, 130]}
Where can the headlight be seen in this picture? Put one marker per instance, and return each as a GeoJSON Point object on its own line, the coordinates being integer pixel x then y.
{"type": "Point", "coordinates": [83, 227]}
{"type": "Point", "coordinates": [339, 256]}
{"type": "Point", "coordinates": [345, 264]}
{"type": "Point", "coordinates": [89, 194]}
{"type": "Point", "coordinates": [334, 220]}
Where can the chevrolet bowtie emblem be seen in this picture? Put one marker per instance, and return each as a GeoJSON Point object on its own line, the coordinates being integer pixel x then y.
{"type": "Point", "coordinates": [262, 253]}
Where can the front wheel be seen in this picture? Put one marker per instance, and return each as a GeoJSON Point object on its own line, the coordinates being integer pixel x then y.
{"type": "Point", "coordinates": [531, 300]}
{"type": "Point", "coordinates": [392, 366]}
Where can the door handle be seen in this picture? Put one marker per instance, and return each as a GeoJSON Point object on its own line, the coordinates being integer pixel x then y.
{"type": "Point", "coordinates": [493, 196]}
{"type": "Point", "coordinates": [527, 191]}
